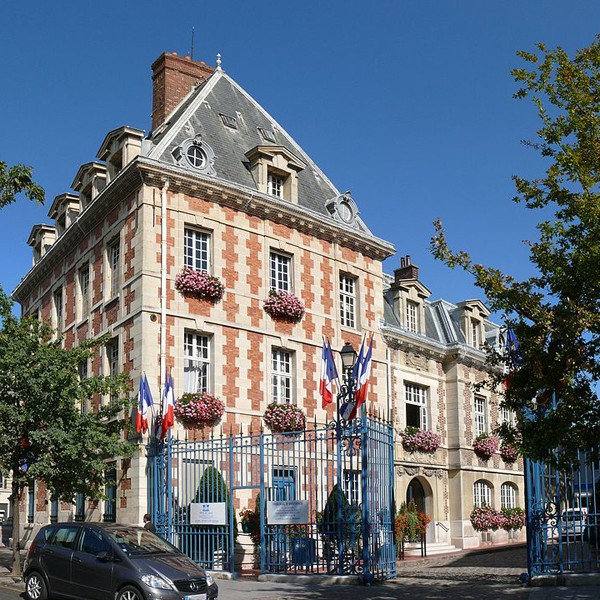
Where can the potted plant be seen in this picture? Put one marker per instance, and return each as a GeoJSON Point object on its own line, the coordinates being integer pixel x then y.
{"type": "Point", "coordinates": [284, 305]}
{"type": "Point", "coordinates": [199, 284]}
{"type": "Point", "coordinates": [198, 410]}
{"type": "Point", "coordinates": [485, 445]}
{"type": "Point", "coordinates": [509, 453]}
{"type": "Point", "coordinates": [418, 440]}
{"type": "Point", "coordinates": [513, 518]}
{"type": "Point", "coordinates": [411, 523]}
{"type": "Point", "coordinates": [284, 418]}
{"type": "Point", "coordinates": [484, 518]}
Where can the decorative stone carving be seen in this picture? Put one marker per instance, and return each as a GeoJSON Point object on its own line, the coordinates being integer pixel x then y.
{"type": "Point", "coordinates": [418, 361]}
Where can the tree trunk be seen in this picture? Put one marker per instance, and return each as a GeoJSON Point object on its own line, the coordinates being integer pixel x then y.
{"type": "Point", "coordinates": [16, 530]}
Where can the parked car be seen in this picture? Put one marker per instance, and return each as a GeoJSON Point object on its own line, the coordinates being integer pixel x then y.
{"type": "Point", "coordinates": [97, 561]}
{"type": "Point", "coordinates": [573, 523]}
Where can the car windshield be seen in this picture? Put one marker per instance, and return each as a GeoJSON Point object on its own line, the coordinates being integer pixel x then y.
{"type": "Point", "coordinates": [136, 541]}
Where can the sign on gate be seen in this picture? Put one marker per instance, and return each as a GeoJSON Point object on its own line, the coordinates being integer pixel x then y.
{"type": "Point", "coordinates": [208, 513]}
{"type": "Point", "coordinates": [287, 512]}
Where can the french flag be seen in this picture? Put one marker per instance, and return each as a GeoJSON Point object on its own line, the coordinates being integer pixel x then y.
{"type": "Point", "coordinates": [348, 409]}
{"type": "Point", "coordinates": [362, 387]}
{"type": "Point", "coordinates": [168, 417]}
{"type": "Point", "coordinates": [329, 374]}
{"type": "Point", "coordinates": [144, 403]}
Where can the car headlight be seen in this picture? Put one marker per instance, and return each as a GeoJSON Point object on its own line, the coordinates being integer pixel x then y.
{"type": "Point", "coordinates": [209, 580]}
{"type": "Point", "coordinates": [154, 581]}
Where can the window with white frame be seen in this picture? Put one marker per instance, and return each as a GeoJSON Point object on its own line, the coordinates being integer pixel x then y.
{"type": "Point", "coordinates": [84, 291]}
{"type": "Point", "coordinates": [58, 310]}
{"type": "Point", "coordinates": [480, 414]}
{"type": "Point", "coordinates": [113, 256]}
{"type": "Point", "coordinates": [275, 185]}
{"type": "Point", "coordinates": [506, 415]}
{"type": "Point", "coordinates": [412, 316]}
{"type": "Point", "coordinates": [508, 496]}
{"type": "Point", "coordinates": [352, 485]}
{"type": "Point", "coordinates": [347, 300]}
{"type": "Point", "coordinates": [280, 276]}
{"type": "Point", "coordinates": [475, 333]}
{"type": "Point", "coordinates": [415, 397]}
{"type": "Point", "coordinates": [196, 249]}
{"type": "Point", "coordinates": [281, 369]}
{"type": "Point", "coordinates": [196, 367]}
{"type": "Point", "coordinates": [482, 493]}
{"type": "Point", "coordinates": [112, 356]}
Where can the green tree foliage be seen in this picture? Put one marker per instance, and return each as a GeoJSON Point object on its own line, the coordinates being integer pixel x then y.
{"type": "Point", "coordinates": [17, 179]}
{"type": "Point", "coordinates": [44, 433]}
{"type": "Point", "coordinates": [555, 313]}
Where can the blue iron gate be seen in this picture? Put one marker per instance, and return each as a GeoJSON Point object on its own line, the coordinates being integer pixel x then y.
{"type": "Point", "coordinates": [563, 516]}
{"type": "Point", "coordinates": [344, 478]}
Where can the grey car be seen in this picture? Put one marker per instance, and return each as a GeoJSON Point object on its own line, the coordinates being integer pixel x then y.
{"type": "Point", "coordinates": [98, 561]}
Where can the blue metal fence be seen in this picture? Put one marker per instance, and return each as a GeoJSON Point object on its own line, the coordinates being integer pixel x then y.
{"type": "Point", "coordinates": [343, 476]}
{"type": "Point", "coordinates": [563, 516]}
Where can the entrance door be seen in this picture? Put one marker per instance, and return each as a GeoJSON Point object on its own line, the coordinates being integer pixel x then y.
{"type": "Point", "coordinates": [415, 493]}
{"type": "Point", "coordinates": [283, 488]}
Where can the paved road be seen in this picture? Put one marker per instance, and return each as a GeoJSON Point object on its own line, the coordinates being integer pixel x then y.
{"type": "Point", "coordinates": [476, 576]}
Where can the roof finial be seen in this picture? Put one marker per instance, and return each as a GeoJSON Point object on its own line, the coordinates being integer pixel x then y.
{"type": "Point", "coordinates": [218, 61]}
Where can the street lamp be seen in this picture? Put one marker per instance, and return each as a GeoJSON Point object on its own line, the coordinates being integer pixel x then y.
{"type": "Point", "coordinates": [345, 394]}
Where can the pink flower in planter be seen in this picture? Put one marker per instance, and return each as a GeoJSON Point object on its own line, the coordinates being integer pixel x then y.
{"type": "Point", "coordinates": [418, 440]}
{"type": "Point", "coordinates": [199, 284]}
{"type": "Point", "coordinates": [284, 305]}
{"type": "Point", "coordinates": [485, 445]}
{"type": "Point", "coordinates": [199, 409]}
{"type": "Point", "coordinates": [509, 453]}
{"type": "Point", "coordinates": [284, 418]}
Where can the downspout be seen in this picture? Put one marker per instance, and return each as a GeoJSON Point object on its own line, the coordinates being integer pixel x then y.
{"type": "Point", "coordinates": [163, 284]}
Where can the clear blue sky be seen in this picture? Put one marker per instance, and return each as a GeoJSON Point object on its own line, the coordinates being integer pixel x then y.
{"type": "Point", "coordinates": [408, 104]}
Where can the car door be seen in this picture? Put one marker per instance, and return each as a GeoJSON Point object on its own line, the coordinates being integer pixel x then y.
{"type": "Point", "coordinates": [92, 566]}
{"type": "Point", "coordinates": [55, 558]}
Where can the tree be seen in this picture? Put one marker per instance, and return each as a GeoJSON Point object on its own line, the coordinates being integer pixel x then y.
{"type": "Point", "coordinates": [555, 314]}
{"type": "Point", "coordinates": [17, 179]}
{"type": "Point", "coordinates": [45, 433]}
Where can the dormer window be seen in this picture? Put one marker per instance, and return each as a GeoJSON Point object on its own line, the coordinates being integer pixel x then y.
{"type": "Point", "coordinates": [119, 148]}
{"type": "Point", "coordinates": [229, 121]}
{"type": "Point", "coordinates": [196, 157]}
{"type": "Point", "coordinates": [267, 135]}
{"type": "Point", "coordinates": [412, 316]}
{"type": "Point", "coordinates": [196, 154]}
{"type": "Point", "coordinates": [275, 170]}
{"type": "Point", "coordinates": [475, 333]}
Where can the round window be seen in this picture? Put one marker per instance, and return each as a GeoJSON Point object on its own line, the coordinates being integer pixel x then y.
{"type": "Point", "coordinates": [196, 157]}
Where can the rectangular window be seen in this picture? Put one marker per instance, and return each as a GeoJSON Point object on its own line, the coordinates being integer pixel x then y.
{"type": "Point", "coordinates": [114, 267]}
{"type": "Point", "coordinates": [53, 509]}
{"type": "Point", "coordinates": [196, 369]}
{"type": "Point", "coordinates": [482, 494]}
{"type": "Point", "coordinates": [84, 291]}
{"type": "Point", "coordinates": [352, 485]}
{"type": "Point", "coordinates": [480, 414]}
{"type": "Point", "coordinates": [275, 185]}
{"type": "Point", "coordinates": [83, 374]}
{"type": "Point", "coordinates": [506, 415]}
{"type": "Point", "coordinates": [475, 333]}
{"type": "Point", "coordinates": [110, 504]}
{"type": "Point", "coordinates": [281, 364]}
{"type": "Point", "coordinates": [112, 355]}
{"type": "Point", "coordinates": [31, 502]}
{"type": "Point", "coordinates": [58, 310]}
{"type": "Point", "coordinates": [412, 323]}
{"type": "Point", "coordinates": [79, 506]}
{"type": "Point", "coordinates": [415, 397]}
{"type": "Point", "coordinates": [348, 301]}
{"type": "Point", "coordinates": [280, 272]}
{"type": "Point", "coordinates": [196, 250]}
{"type": "Point", "coordinates": [508, 496]}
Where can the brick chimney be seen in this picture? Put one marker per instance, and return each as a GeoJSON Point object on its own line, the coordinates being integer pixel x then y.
{"type": "Point", "coordinates": [406, 271]}
{"type": "Point", "coordinates": [173, 77]}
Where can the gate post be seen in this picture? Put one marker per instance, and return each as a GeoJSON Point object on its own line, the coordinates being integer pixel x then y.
{"type": "Point", "coordinates": [366, 524]}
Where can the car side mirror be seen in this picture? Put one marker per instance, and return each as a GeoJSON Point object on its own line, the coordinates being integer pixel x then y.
{"type": "Point", "coordinates": [104, 556]}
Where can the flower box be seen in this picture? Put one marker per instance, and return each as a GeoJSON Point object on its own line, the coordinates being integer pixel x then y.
{"type": "Point", "coordinates": [509, 453]}
{"type": "Point", "coordinates": [284, 418]}
{"type": "Point", "coordinates": [284, 306]}
{"type": "Point", "coordinates": [418, 440]}
{"type": "Point", "coordinates": [198, 410]}
{"type": "Point", "coordinates": [485, 445]}
{"type": "Point", "coordinates": [199, 284]}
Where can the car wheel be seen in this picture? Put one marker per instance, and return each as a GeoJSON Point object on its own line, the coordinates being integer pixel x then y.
{"type": "Point", "coordinates": [130, 593]}
{"type": "Point", "coordinates": [35, 587]}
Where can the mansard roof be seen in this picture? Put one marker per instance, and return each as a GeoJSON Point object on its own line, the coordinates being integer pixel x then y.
{"type": "Point", "coordinates": [202, 114]}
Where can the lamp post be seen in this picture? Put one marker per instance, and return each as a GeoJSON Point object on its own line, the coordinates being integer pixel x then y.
{"type": "Point", "coordinates": [348, 387]}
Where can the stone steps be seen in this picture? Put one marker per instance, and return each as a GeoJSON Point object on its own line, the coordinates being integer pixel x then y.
{"type": "Point", "coordinates": [432, 548]}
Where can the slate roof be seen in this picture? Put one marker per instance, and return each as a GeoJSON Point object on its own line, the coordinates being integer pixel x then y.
{"type": "Point", "coordinates": [442, 324]}
{"type": "Point", "coordinates": [200, 112]}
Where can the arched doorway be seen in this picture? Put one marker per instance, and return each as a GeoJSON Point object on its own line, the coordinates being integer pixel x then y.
{"type": "Point", "coordinates": [416, 493]}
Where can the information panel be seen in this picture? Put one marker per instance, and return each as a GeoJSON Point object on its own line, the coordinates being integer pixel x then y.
{"type": "Point", "coordinates": [208, 513]}
{"type": "Point", "coordinates": [287, 512]}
